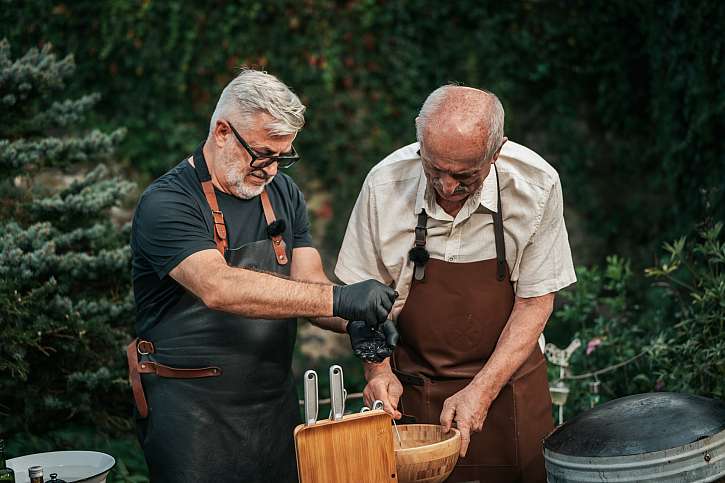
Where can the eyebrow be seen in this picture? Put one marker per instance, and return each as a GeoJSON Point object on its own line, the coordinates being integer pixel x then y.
{"type": "Point", "coordinates": [469, 172]}
{"type": "Point", "coordinates": [269, 152]}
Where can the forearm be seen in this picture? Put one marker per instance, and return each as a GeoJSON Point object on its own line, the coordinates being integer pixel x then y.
{"type": "Point", "coordinates": [263, 295]}
{"type": "Point", "coordinates": [518, 339]}
{"type": "Point", "coordinates": [335, 324]}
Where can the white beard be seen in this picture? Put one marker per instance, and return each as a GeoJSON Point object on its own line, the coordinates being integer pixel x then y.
{"type": "Point", "coordinates": [236, 183]}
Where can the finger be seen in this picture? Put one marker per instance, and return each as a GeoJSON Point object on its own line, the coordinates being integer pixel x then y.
{"type": "Point", "coordinates": [394, 400]}
{"type": "Point", "coordinates": [388, 406]}
{"type": "Point", "coordinates": [447, 413]}
{"type": "Point", "coordinates": [382, 315]}
{"type": "Point", "coordinates": [391, 333]}
{"type": "Point", "coordinates": [368, 396]}
{"type": "Point", "coordinates": [465, 439]}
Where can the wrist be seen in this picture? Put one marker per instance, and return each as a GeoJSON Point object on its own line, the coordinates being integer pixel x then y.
{"type": "Point", "coordinates": [331, 307]}
{"type": "Point", "coordinates": [483, 388]}
{"type": "Point", "coordinates": [373, 369]}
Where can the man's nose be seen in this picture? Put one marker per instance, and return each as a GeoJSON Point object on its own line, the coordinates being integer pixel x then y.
{"type": "Point", "coordinates": [271, 170]}
{"type": "Point", "coordinates": [448, 184]}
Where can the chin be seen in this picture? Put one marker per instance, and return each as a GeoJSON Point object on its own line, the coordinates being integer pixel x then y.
{"type": "Point", "coordinates": [248, 191]}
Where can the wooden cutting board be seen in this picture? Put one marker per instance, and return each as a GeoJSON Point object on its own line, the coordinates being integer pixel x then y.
{"type": "Point", "coordinates": [358, 449]}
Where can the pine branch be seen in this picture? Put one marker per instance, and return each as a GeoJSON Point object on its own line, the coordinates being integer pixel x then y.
{"type": "Point", "coordinates": [24, 155]}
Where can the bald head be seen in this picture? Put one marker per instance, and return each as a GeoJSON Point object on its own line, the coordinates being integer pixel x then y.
{"type": "Point", "coordinates": [461, 123]}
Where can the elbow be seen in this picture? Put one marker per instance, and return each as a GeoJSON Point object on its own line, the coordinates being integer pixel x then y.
{"type": "Point", "coordinates": [212, 297]}
{"type": "Point", "coordinates": [212, 301]}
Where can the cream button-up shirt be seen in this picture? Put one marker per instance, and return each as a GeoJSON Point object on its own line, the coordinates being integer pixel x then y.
{"type": "Point", "coordinates": [381, 229]}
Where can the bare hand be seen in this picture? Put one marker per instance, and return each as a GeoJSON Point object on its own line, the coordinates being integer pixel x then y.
{"type": "Point", "coordinates": [385, 386]}
{"type": "Point", "coordinates": [468, 408]}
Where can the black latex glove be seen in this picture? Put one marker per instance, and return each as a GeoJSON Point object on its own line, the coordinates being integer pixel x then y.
{"type": "Point", "coordinates": [369, 301]}
{"type": "Point", "coordinates": [372, 345]}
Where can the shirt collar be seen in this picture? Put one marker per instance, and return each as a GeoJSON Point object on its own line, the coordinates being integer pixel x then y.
{"type": "Point", "coordinates": [487, 195]}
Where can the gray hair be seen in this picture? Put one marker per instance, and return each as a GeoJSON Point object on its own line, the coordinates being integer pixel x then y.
{"type": "Point", "coordinates": [495, 117]}
{"type": "Point", "coordinates": [252, 92]}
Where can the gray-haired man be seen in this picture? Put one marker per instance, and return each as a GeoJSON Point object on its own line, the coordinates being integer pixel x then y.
{"type": "Point", "coordinates": [222, 264]}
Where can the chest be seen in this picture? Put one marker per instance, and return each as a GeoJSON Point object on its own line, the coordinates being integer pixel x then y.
{"type": "Point", "coordinates": [246, 223]}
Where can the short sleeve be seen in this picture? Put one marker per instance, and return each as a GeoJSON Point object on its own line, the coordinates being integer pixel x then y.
{"type": "Point", "coordinates": [359, 257]}
{"type": "Point", "coordinates": [168, 226]}
{"type": "Point", "coordinates": [301, 229]}
{"type": "Point", "coordinates": [546, 264]}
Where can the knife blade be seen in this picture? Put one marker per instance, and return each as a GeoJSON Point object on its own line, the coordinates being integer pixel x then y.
{"type": "Point", "coordinates": [337, 397]}
{"type": "Point", "coordinates": [311, 406]}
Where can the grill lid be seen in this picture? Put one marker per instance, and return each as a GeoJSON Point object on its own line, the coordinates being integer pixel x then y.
{"type": "Point", "coordinates": [638, 424]}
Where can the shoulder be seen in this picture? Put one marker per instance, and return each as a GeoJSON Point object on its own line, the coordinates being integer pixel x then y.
{"type": "Point", "coordinates": [177, 189]}
{"type": "Point", "coordinates": [400, 167]}
{"type": "Point", "coordinates": [526, 166]}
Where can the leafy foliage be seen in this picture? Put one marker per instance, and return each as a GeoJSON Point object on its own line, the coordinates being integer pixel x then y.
{"type": "Point", "coordinates": [65, 299]}
{"type": "Point", "coordinates": [667, 335]}
{"type": "Point", "coordinates": [621, 96]}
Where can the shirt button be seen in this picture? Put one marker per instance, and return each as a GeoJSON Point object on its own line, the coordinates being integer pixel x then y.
{"type": "Point", "coordinates": [450, 259]}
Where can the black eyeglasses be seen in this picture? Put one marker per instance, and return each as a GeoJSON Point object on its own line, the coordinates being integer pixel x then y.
{"type": "Point", "coordinates": [261, 161]}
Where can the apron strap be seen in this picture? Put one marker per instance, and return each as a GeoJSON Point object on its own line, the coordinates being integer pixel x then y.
{"type": "Point", "coordinates": [418, 254]}
{"type": "Point", "coordinates": [202, 172]}
{"type": "Point", "coordinates": [498, 234]}
{"type": "Point", "coordinates": [277, 242]}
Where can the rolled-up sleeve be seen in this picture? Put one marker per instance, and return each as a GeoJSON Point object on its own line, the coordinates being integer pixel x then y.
{"type": "Point", "coordinates": [359, 258]}
{"type": "Point", "coordinates": [546, 263]}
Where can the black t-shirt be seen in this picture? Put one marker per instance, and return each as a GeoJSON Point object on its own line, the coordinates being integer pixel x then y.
{"type": "Point", "coordinates": [173, 220]}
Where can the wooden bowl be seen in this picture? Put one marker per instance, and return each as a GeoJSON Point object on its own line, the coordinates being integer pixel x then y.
{"type": "Point", "coordinates": [427, 453]}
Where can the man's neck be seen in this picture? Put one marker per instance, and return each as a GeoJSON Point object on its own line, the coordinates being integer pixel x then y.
{"type": "Point", "coordinates": [211, 166]}
{"type": "Point", "coordinates": [451, 207]}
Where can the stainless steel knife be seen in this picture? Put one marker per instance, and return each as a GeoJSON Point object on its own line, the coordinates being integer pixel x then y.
{"type": "Point", "coordinates": [337, 393]}
{"type": "Point", "coordinates": [310, 387]}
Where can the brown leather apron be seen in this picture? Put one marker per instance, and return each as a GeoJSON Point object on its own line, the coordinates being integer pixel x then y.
{"type": "Point", "coordinates": [449, 327]}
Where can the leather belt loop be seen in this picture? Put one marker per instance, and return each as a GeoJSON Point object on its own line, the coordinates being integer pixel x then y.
{"type": "Point", "coordinates": [278, 243]}
{"type": "Point", "coordinates": [134, 378]}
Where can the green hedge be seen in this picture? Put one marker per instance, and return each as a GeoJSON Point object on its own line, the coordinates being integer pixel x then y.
{"type": "Point", "coordinates": [624, 97]}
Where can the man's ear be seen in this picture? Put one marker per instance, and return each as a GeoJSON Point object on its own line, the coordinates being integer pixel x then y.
{"type": "Point", "coordinates": [221, 131]}
{"type": "Point", "coordinates": [498, 151]}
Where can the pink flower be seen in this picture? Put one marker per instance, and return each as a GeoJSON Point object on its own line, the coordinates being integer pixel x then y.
{"type": "Point", "coordinates": [593, 344]}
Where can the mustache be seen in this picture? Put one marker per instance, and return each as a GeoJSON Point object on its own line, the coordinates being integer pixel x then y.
{"type": "Point", "coordinates": [258, 173]}
{"type": "Point", "coordinates": [460, 189]}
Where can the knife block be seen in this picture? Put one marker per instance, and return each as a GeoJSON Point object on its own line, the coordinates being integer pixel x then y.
{"type": "Point", "coordinates": [356, 449]}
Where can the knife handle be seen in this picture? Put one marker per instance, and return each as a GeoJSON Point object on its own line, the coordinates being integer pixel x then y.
{"type": "Point", "coordinates": [337, 387]}
{"type": "Point", "coordinates": [310, 387]}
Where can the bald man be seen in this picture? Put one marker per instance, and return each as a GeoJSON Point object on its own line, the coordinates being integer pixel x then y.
{"type": "Point", "coordinates": [469, 228]}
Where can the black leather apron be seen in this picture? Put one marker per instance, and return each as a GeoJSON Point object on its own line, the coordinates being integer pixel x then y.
{"type": "Point", "coordinates": [234, 427]}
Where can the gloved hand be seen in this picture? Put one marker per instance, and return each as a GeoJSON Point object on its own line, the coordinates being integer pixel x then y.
{"type": "Point", "coordinates": [369, 301]}
{"type": "Point", "coordinates": [372, 345]}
